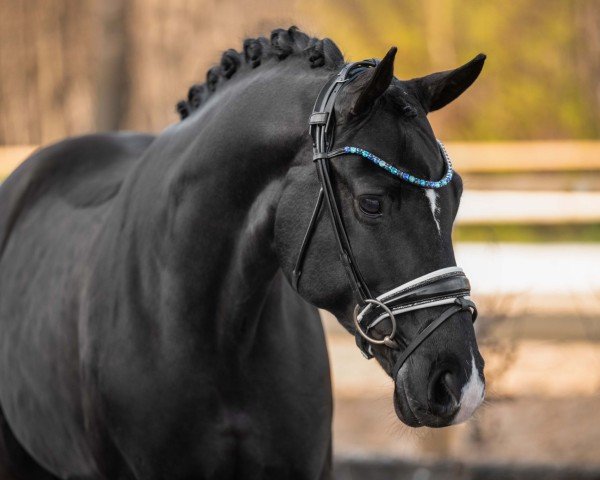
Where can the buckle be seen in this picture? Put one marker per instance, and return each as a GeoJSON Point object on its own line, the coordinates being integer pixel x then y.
{"type": "Point", "coordinates": [467, 305]}
{"type": "Point", "coordinates": [463, 303]}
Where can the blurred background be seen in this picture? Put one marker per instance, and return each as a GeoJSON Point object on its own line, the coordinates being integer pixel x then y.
{"type": "Point", "coordinates": [525, 137]}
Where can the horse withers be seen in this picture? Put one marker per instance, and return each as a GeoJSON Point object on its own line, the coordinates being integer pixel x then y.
{"type": "Point", "coordinates": [159, 294]}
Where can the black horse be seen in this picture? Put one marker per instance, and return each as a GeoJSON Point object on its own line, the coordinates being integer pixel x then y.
{"type": "Point", "coordinates": [148, 324]}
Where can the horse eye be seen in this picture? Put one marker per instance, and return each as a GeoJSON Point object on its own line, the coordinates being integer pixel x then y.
{"type": "Point", "coordinates": [370, 205]}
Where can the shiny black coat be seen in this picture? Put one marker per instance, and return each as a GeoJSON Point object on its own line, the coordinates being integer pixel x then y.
{"type": "Point", "coordinates": [146, 329]}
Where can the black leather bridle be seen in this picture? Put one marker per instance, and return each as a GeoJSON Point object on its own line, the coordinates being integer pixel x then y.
{"type": "Point", "coordinates": [447, 286]}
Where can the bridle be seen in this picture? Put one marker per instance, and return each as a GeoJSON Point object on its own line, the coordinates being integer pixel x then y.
{"type": "Point", "coordinates": [447, 286]}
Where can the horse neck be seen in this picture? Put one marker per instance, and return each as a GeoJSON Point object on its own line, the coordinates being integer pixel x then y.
{"type": "Point", "coordinates": [231, 159]}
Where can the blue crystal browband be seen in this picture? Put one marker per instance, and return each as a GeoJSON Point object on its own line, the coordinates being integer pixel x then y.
{"type": "Point", "coordinates": [407, 177]}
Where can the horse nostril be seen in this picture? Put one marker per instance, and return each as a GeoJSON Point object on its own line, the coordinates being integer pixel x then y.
{"type": "Point", "coordinates": [454, 389]}
{"type": "Point", "coordinates": [444, 393]}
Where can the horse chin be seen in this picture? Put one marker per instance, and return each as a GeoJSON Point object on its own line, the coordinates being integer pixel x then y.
{"type": "Point", "coordinates": [404, 412]}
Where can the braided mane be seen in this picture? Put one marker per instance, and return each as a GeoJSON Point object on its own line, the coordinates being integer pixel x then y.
{"type": "Point", "coordinates": [283, 43]}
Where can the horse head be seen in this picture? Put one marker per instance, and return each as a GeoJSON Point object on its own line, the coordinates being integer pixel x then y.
{"type": "Point", "coordinates": [384, 215]}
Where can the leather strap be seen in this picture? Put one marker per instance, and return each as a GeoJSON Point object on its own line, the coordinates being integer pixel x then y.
{"type": "Point", "coordinates": [307, 236]}
{"type": "Point", "coordinates": [359, 286]}
{"type": "Point", "coordinates": [321, 124]}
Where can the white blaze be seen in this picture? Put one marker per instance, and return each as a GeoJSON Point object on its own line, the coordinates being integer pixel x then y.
{"type": "Point", "coordinates": [432, 196]}
{"type": "Point", "coordinates": [471, 395]}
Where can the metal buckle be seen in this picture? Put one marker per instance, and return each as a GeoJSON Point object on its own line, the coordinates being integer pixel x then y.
{"type": "Point", "coordinates": [469, 305]}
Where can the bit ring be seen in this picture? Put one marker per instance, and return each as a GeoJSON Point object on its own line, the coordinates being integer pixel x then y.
{"type": "Point", "coordinates": [388, 340]}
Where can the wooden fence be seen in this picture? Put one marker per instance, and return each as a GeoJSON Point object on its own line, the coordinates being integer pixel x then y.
{"type": "Point", "coordinates": [11, 157]}
{"type": "Point", "coordinates": [483, 205]}
{"type": "Point", "coordinates": [471, 157]}
{"type": "Point", "coordinates": [514, 157]}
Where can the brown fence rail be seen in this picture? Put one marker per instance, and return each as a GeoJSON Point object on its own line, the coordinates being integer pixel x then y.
{"type": "Point", "coordinates": [514, 157]}
{"type": "Point", "coordinates": [472, 157]}
{"type": "Point", "coordinates": [11, 157]}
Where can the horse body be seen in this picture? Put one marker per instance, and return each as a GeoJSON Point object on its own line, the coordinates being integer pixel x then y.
{"type": "Point", "coordinates": [134, 345]}
{"type": "Point", "coordinates": [149, 328]}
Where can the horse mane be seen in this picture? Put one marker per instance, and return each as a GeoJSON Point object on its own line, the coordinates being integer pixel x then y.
{"type": "Point", "coordinates": [282, 44]}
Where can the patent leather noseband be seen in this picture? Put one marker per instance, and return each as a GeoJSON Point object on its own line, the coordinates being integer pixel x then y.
{"type": "Point", "coordinates": [447, 286]}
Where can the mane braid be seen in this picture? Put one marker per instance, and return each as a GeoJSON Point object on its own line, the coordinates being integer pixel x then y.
{"type": "Point", "coordinates": [281, 45]}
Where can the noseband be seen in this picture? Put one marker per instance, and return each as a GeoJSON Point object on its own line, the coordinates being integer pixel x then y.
{"type": "Point", "coordinates": [448, 286]}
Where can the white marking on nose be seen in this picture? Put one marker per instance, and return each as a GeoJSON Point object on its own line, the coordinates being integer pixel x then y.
{"type": "Point", "coordinates": [432, 196]}
{"type": "Point", "coordinates": [471, 395]}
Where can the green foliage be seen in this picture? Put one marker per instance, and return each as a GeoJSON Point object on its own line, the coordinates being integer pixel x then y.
{"type": "Point", "coordinates": [536, 84]}
{"type": "Point", "coordinates": [520, 233]}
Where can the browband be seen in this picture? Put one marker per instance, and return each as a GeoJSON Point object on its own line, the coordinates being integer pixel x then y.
{"type": "Point", "coordinates": [397, 172]}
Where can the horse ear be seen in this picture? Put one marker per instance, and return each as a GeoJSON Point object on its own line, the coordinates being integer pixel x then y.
{"type": "Point", "coordinates": [381, 77]}
{"type": "Point", "coordinates": [439, 89]}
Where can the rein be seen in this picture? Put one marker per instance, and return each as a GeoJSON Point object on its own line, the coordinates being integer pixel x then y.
{"type": "Point", "coordinates": [447, 286]}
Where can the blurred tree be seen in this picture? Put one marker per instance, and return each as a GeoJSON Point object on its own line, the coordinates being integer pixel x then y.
{"type": "Point", "coordinates": [74, 66]}
{"type": "Point", "coordinates": [46, 80]}
{"type": "Point", "coordinates": [112, 65]}
{"type": "Point", "coordinates": [587, 29]}
{"type": "Point", "coordinates": [172, 44]}
{"type": "Point", "coordinates": [531, 88]}
{"type": "Point", "coordinates": [71, 66]}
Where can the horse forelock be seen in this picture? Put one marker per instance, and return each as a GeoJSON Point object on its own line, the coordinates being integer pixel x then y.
{"type": "Point", "coordinates": [283, 43]}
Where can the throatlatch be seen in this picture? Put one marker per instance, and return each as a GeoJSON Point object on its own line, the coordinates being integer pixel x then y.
{"type": "Point", "coordinates": [448, 286]}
